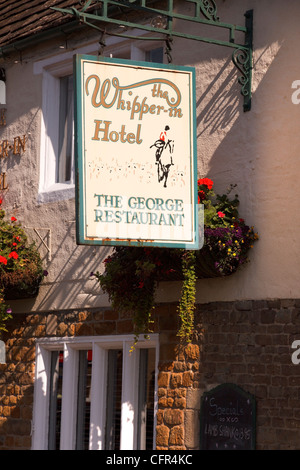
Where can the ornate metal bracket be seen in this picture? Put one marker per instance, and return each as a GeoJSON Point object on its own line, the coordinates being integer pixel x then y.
{"type": "Point", "coordinates": [205, 12]}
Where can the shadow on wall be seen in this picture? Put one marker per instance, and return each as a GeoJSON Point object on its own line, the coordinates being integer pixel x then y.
{"type": "Point", "coordinates": [223, 108]}
{"type": "Point", "coordinates": [73, 286]}
{"type": "Point", "coordinates": [258, 151]}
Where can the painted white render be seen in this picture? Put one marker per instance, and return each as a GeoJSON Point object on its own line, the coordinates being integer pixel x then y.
{"type": "Point", "coordinates": [257, 150]}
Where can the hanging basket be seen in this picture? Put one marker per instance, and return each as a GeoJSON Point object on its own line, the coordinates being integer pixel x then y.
{"type": "Point", "coordinates": [21, 292]}
{"type": "Point", "coordinates": [205, 268]}
{"type": "Point", "coordinates": [206, 265]}
{"type": "Point", "coordinates": [20, 284]}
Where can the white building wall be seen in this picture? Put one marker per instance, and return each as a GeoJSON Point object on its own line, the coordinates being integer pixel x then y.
{"type": "Point", "coordinates": [258, 151]}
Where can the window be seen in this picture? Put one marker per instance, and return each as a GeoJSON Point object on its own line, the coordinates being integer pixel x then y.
{"type": "Point", "coordinates": [57, 130]}
{"type": "Point", "coordinates": [64, 170]}
{"type": "Point", "coordinates": [93, 394]}
{"type": "Point", "coordinates": [155, 55]}
{"type": "Point", "coordinates": [57, 134]}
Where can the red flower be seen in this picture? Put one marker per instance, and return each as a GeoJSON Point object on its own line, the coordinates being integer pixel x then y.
{"type": "Point", "coordinates": [13, 255]}
{"type": "Point", "coordinates": [141, 284]}
{"type": "Point", "coordinates": [3, 260]}
{"type": "Point", "coordinates": [207, 182]}
{"type": "Point", "coordinates": [13, 219]}
{"type": "Point", "coordinates": [201, 196]}
{"type": "Point", "coordinates": [221, 214]}
{"type": "Point", "coordinates": [169, 271]}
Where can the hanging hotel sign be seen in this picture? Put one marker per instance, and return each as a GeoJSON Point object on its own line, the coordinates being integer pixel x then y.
{"type": "Point", "coordinates": [135, 153]}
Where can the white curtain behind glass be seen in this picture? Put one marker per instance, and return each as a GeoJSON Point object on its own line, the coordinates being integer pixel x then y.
{"type": "Point", "coordinates": [65, 147]}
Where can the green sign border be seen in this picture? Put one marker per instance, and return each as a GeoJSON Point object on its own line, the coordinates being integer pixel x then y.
{"type": "Point", "coordinates": [197, 238]}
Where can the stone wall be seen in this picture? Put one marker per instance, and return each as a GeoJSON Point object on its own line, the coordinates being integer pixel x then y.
{"type": "Point", "coordinates": [247, 343]}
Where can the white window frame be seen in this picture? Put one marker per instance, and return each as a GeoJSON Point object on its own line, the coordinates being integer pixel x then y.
{"type": "Point", "coordinates": [52, 69]}
{"type": "Point", "coordinates": [49, 138]}
{"type": "Point", "coordinates": [100, 346]}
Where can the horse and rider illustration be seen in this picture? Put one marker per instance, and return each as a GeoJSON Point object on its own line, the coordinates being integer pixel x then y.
{"type": "Point", "coordinates": [163, 156]}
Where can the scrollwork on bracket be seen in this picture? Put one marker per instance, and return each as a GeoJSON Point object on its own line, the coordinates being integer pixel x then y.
{"type": "Point", "coordinates": [209, 9]}
{"type": "Point", "coordinates": [242, 60]}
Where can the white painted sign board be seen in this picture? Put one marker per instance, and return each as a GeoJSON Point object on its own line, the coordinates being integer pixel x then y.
{"type": "Point", "coordinates": [135, 139]}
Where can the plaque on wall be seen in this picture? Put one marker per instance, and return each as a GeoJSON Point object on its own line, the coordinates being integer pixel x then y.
{"type": "Point", "coordinates": [227, 419]}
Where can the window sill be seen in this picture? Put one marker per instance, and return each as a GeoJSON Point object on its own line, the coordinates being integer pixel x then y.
{"type": "Point", "coordinates": [57, 192]}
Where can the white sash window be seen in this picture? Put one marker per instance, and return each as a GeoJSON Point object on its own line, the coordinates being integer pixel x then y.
{"type": "Point", "coordinates": [93, 394]}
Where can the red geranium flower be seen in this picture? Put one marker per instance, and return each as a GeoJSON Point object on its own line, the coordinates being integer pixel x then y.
{"type": "Point", "coordinates": [13, 255]}
{"type": "Point", "coordinates": [221, 214]}
{"type": "Point", "coordinates": [3, 260]}
{"type": "Point", "coordinates": [13, 219]}
{"type": "Point", "coordinates": [208, 182]}
{"type": "Point", "coordinates": [201, 196]}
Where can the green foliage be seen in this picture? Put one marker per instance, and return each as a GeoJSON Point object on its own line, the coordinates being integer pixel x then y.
{"type": "Point", "coordinates": [20, 264]}
{"type": "Point", "coordinates": [219, 210]}
{"type": "Point", "coordinates": [130, 280]}
{"type": "Point", "coordinates": [5, 312]}
{"type": "Point", "coordinates": [186, 307]}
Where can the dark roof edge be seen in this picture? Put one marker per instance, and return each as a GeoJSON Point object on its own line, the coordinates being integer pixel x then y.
{"type": "Point", "coordinates": [50, 33]}
{"type": "Point", "coordinates": [21, 44]}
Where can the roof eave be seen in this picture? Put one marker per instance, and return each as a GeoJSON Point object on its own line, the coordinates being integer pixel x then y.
{"type": "Point", "coordinates": [21, 44]}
